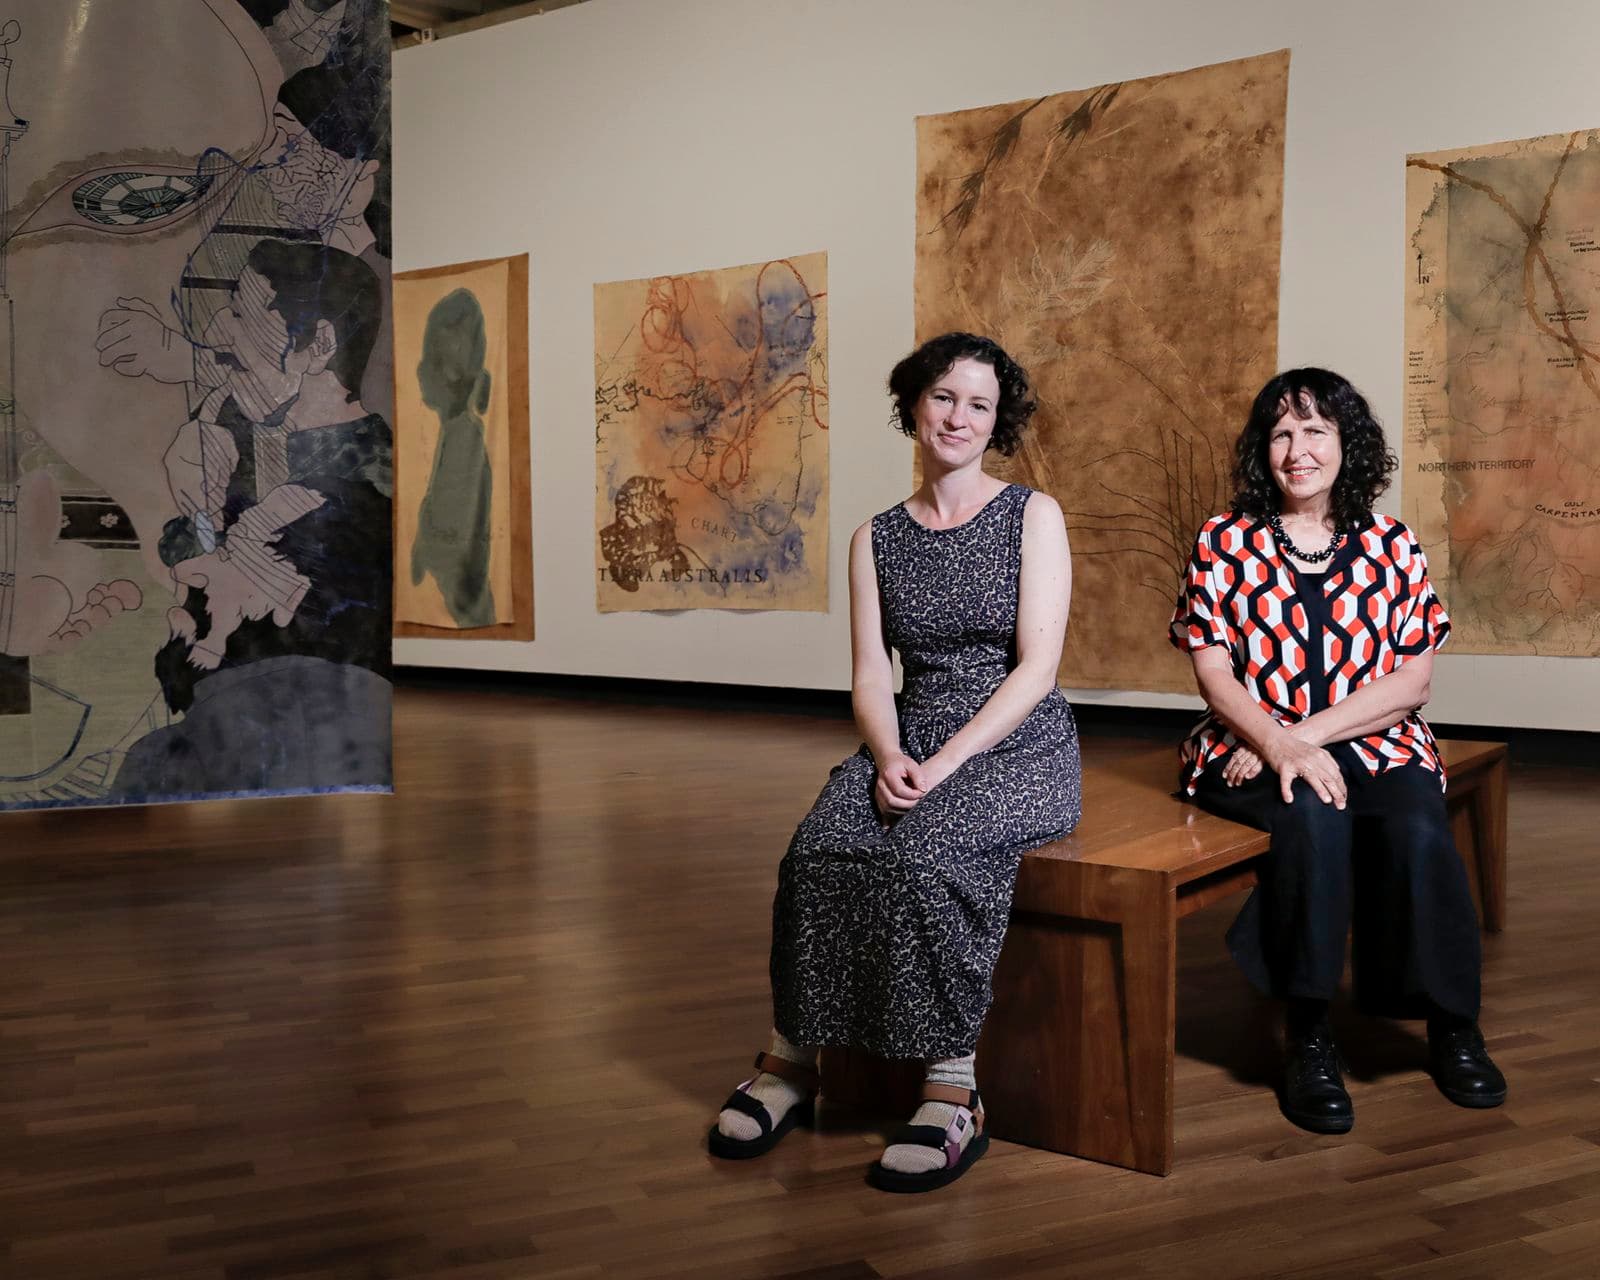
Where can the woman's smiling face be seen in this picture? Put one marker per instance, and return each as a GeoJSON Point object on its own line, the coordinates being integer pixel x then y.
{"type": "Point", "coordinates": [956, 415]}
{"type": "Point", "coordinates": [1304, 456]}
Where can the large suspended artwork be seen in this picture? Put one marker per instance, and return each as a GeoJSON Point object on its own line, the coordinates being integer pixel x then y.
{"type": "Point", "coordinates": [1502, 424]}
{"type": "Point", "coordinates": [1122, 242]}
{"type": "Point", "coordinates": [195, 392]}
{"type": "Point", "coordinates": [463, 525]}
{"type": "Point", "coordinates": [711, 439]}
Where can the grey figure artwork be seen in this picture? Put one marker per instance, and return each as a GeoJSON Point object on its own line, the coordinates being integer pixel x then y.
{"type": "Point", "coordinates": [453, 527]}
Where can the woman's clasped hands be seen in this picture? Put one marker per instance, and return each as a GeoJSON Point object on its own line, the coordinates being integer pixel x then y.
{"type": "Point", "coordinates": [1289, 756]}
{"type": "Point", "coordinates": [903, 781]}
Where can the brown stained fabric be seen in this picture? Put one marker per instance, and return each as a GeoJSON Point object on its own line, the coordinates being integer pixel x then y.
{"type": "Point", "coordinates": [1122, 242]}
{"type": "Point", "coordinates": [711, 439]}
{"type": "Point", "coordinates": [1501, 460]}
{"type": "Point", "coordinates": [500, 287]}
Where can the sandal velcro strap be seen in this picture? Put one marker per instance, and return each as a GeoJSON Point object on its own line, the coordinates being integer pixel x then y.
{"type": "Point", "coordinates": [946, 1140]}
{"type": "Point", "coordinates": [805, 1077]}
{"type": "Point", "coordinates": [918, 1135]}
{"type": "Point", "coordinates": [966, 1099]}
{"type": "Point", "coordinates": [953, 1094]}
{"type": "Point", "coordinates": [743, 1103]}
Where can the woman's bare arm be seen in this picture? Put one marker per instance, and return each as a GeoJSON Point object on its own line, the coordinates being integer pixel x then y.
{"type": "Point", "coordinates": [1375, 706]}
{"type": "Point", "coordinates": [871, 669]}
{"type": "Point", "coordinates": [1043, 603]}
{"type": "Point", "coordinates": [872, 685]}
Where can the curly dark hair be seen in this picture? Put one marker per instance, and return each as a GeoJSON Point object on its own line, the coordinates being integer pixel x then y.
{"type": "Point", "coordinates": [935, 358]}
{"type": "Point", "coordinates": [1367, 459]}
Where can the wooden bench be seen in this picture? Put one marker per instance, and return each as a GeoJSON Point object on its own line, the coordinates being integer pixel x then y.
{"type": "Point", "coordinates": [1077, 1051]}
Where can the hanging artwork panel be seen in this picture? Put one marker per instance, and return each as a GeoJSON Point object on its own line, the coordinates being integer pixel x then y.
{"type": "Point", "coordinates": [195, 397]}
{"type": "Point", "coordinates": [711, 439]}
{"type": "Point", "coordinates": [1501, 461]}
{"type": "Point", "coordinates": [1122, 243]}
{"type": "Point", "coordinates": [463, 523]}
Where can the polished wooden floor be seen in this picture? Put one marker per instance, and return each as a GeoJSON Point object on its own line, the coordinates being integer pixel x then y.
{"type": "Point", "coordinates": [478, 1030]}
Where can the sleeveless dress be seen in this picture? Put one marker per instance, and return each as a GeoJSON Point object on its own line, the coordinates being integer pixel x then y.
{"type": "Point", "coordinates": [886, 938]}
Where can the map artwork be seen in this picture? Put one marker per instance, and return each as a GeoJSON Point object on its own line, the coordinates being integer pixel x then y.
{"type": "Point", "coordinates": [1502, 419]}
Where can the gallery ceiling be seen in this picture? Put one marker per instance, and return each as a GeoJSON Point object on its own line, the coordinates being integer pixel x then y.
{"type": "Point", "coordinates": [411, 21]}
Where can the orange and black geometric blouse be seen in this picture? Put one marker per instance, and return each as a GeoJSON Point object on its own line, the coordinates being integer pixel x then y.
{"type": "Point", "coordinates": [1372, 609]}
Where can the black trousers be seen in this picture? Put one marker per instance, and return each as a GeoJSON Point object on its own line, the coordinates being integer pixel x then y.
{"type": "Point", "coordinates": [1384, 870]}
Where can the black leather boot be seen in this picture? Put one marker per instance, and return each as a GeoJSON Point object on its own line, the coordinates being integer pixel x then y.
{"type": "Point", "coordinates": [1314, 1095]}
{"type": "Point", "coordinates": [1461, 1065]}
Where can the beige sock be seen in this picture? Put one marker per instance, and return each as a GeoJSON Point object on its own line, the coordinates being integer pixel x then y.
{"type": "Point", "coordinates": [774, 1093]}
{"type": "Point", "coordinates": [911, 1157]}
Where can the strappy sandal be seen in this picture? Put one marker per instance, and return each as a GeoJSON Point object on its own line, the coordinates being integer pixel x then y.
{"type": "Point", "coordinates": [803, 1112]}
{"type": "Point", "coordinates": [969, 1111]}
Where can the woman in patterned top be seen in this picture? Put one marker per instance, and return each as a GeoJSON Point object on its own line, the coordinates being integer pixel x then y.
{"type": "Point", "coordinates": [894, 894]}
{"type": "Point", "coordinates": [1312, 625]}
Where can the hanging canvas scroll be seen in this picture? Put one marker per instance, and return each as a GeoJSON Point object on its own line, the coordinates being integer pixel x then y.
{"type": "Point", "coordinates": [1121, 242]}
{"type": "Point", "coordinates": [463, 524]}
{"type": "Point", "coordinates": [1502, 441]}
{"type": "Point", "coordinates": [195, 396]}
{"type": "Point", "coordinates": [711, 439]}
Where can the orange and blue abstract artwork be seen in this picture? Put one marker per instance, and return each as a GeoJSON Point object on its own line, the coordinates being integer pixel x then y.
{"type": "Point", "coordinates": [711, 438]}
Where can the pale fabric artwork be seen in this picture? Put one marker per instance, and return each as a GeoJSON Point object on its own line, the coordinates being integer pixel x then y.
{"type": "Point", "coordinates": [195, 391]}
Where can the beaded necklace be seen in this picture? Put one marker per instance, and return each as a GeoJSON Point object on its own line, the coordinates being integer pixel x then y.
{"type": "Point", "coordinates": [1287, 543]}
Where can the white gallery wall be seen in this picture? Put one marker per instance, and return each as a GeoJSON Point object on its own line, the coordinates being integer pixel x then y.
{"type": "Point", "coordinates": [625, 138]}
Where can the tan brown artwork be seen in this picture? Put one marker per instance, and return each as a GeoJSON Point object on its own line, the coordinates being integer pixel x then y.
{"type": "Point", "coordinates": [463, 528]}
{"type": "Point", "coordinates": [1502, 423]}
{"type": "Point", "coordinates": [1122, 242]}
{"type": "Point", "coordinates": [711, 439]}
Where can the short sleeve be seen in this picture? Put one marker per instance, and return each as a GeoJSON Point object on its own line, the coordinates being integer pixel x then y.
{"type": "Point", "coordinates": [1197, 620]}
{"type": "Point", "coordinates": [1418, 622]}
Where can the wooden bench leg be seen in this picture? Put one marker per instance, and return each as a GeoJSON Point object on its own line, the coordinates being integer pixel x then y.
{"type": "Point", "coordinates": [1489, 840]}
{"type": "Point", "coordinates": [1077, 1051]}
{"type": "Point", "coordinates": [1478, 822]}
